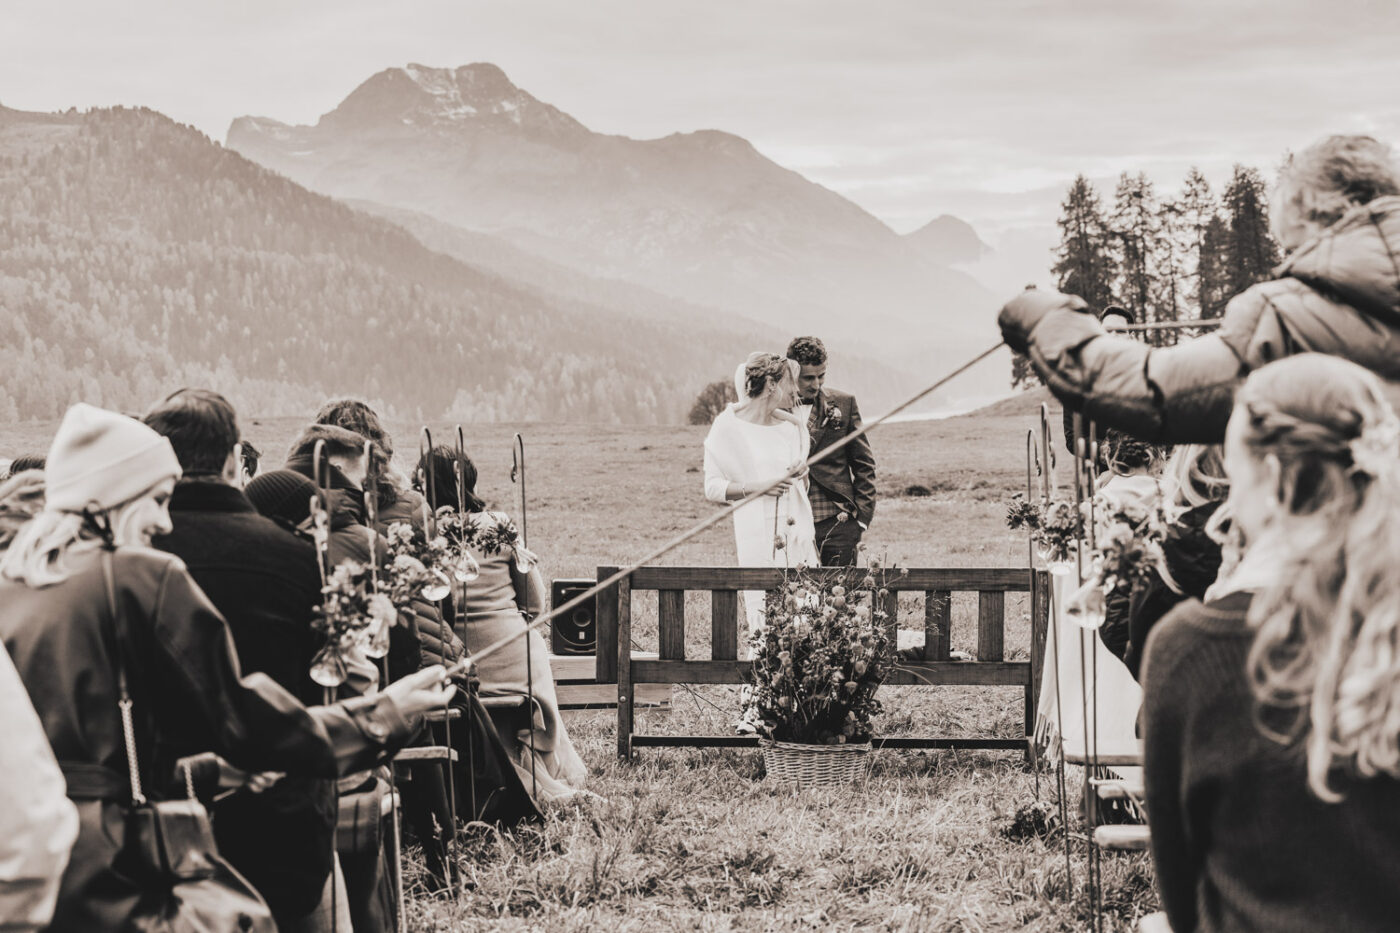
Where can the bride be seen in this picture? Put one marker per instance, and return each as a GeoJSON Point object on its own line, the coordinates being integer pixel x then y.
{"type": "Point", "coordinates": [750, 445]}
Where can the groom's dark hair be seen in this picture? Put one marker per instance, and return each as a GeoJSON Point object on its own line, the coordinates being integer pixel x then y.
{"type": "Point", "coordinates": [807, 351]}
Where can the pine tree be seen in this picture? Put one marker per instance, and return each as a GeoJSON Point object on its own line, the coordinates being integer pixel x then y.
{"type": "Point", "coordinates": [1251, 252]}
{"type": "Point", "coordinates": [1213, 277]}
{"type": "Point", "coordinates": [1138, 240]}
{"type": "Point", "coordinates": [1084, 263]}
{"type": "Point", "coordinates": [1193, 213]}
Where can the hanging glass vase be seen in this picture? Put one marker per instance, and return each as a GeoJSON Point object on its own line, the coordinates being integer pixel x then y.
{"type": "Point", "coordinates": [1086, 606]}
{"type": "Point", "coordinates": [328, 667]}
{"type": "Point", "coordinates": [438, 587]}
{"type": "Point", "coordinates": [467, 569]}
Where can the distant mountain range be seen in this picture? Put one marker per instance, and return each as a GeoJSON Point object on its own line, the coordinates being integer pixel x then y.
{"type": "Point", "coordinates": [468, 252]}
{"type": "Point", "coordinates": [702, 216]}
{"type": "Point", "coordinates": [137, 256]}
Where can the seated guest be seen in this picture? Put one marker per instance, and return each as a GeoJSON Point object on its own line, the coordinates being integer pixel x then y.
{"type": "Point", "coordinates": [351, 536]}
{"type": "Point", "coordinates": [265, 584]}
{"type": "Point", "coordinates": [1130, 483]}
{"type": "Point", "coordinates": [21, 498]}
{"type": "Point", "coordinates": [1194, 486]}
{"type": "Point", "coordinates": [79, 578]}
{"type": "Point", "coordinates": [1337, 215]}
{"type": "Point", "coordinates": [395, 495]}
{"type": "Point", "coordinates": [25, 462]}
{"type": "Point", "coordinates": [492, 611]}
{"type": "Point", "coordinates": [1272, 752]}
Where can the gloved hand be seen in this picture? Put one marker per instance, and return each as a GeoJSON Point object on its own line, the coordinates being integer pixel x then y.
{"type": "Point", "coordinates": [1021, 314]}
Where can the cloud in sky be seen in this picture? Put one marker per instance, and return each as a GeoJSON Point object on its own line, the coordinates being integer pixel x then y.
{"type": "Point", "coordinates": [912, 108]}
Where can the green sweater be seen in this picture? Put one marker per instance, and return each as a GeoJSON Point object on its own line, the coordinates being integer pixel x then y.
{"type": "Point", "coordinates": [1238, 840]}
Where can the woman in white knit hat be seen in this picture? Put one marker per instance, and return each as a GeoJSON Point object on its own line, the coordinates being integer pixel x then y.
{"type": "Point", "coordinates": [78, 581]}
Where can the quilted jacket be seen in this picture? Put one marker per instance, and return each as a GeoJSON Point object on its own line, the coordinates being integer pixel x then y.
{"type": "Point", "coordinates": [1339, 294]}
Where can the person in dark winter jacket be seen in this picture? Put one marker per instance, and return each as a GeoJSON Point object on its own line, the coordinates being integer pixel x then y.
{"type": "Point", "coordinates": [108, 479]}
{"type": "Point", "coordinates": [1271, 753]}
{"type": "Point", "coordinates": [1195, 486]}
{"type": "Point", "coordinates": [1337, 213]}
{"type": "Point", "coordinates": [265, 583]}
{"type": "Point", "coordinates": [351, 538]}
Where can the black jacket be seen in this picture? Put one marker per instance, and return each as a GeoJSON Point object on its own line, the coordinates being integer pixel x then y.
{"type": "Point", "coordinates": [189, 696]}
{"type": "Point", "coordinates": [264, 582]}
{"type": "Point", "coordinates": [849, 474]}
{"type": "Point", "coordinates": [350, 540]}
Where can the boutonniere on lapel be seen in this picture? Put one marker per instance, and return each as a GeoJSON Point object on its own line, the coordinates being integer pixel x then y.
{"type": "Point", "coordinates": [832, 418]}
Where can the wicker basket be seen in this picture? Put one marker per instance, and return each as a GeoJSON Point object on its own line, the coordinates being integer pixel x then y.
{"type": "Point", "coordinates": [814, 765]}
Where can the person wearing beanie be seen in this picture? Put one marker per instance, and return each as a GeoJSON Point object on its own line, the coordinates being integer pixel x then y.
{"type": "Point", "coordinates": [109, 478]}
{"type": "Point", "coordinates": [265, 583]}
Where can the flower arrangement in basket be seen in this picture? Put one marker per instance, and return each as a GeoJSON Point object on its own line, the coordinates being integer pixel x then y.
{"type": "Point", "coordinates": [1055, 525]}
{"type": "Point", "coordinates": [351, 616]}
{"type": "Point", "coordinates": [817, 665]}
{"type": "Point", "coordinates": [1128, 536]}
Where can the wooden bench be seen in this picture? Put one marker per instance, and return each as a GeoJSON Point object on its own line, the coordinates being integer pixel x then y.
{"type": "Point", "coordinates": [576, 685]}
{"type": "Point", "coordinates": [616, 662]}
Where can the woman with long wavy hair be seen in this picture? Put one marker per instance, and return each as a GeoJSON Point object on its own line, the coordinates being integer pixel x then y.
{"type": "Point", "coordinates": [1272, 711]}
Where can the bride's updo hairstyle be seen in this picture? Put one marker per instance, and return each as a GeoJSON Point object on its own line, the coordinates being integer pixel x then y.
{"type": "Point", "coordinates": [763, 368]}
{"type": "Point", "coordinates": [1326, 653]}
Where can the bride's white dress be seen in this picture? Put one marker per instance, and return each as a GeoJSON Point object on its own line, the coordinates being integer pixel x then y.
{"type": "Point", "coordinates": [738, 451]}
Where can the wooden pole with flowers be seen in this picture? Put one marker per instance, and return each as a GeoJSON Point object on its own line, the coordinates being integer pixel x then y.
{"type": "Point", "coordinates": [430, 550]}
{"type": "Point", "coordinates": [517, 471]}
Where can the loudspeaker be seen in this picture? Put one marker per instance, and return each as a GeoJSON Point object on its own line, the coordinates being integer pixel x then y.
{"type": "Point", "coordinates": [576, 631]}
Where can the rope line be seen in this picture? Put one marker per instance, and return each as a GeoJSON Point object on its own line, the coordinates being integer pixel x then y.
{"type": "Point", "coordinates": [723, 514]}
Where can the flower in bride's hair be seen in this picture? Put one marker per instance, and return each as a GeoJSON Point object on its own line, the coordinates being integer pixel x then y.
{"type": "Point", "coordinates": [1377, 449]}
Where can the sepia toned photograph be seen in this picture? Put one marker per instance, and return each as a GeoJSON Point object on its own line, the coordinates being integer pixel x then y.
{"type": "Point", "coordinates": [643, 466]}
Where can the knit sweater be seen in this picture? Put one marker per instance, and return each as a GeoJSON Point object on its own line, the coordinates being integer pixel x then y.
{"type": "Point", "coordinates": [1238, 840]}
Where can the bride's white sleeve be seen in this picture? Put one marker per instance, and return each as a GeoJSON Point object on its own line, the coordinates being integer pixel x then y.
{"type": "Point", "coordinates": [716, 483]}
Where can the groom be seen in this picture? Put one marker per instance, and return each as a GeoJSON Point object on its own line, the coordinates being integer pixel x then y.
{"type": "Point", "coordinates": [843, 485]}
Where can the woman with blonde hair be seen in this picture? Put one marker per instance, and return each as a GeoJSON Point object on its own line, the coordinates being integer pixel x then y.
{"type": "Point", "coordinates": [1271, 712]}
{"type": "Point", "coordinates": [752, 444]}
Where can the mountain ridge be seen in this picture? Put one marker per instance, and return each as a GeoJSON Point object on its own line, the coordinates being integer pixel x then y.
{"type": "Point", "coordinates": [703, 216]}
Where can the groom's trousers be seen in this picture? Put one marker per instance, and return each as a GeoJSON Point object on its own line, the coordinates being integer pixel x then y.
{"type": "Point", "coordinates": [838, 540]}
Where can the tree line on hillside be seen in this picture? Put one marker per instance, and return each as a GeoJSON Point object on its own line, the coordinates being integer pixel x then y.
{"type": "Point", "coordinates": [137, 256]}
{"type": "Point", "coordinates": [1166, 259]}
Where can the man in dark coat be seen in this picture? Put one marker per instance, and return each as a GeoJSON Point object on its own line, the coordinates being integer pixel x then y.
{"type": "Point", "coordinates": [842, 487]}
{"type": "Point", "coordinates": [265, 582]}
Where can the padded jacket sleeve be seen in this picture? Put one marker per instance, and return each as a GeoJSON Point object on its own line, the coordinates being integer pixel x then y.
{"type": "Point", "coordinates": [1180, 394]}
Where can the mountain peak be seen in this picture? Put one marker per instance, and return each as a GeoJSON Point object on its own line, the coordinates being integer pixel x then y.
{"type": "Point", "coordinates": [419, 95]}
{"type": "Point", "coordinates": [948, 240]}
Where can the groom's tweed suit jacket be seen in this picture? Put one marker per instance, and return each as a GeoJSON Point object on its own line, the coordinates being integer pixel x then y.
{"type": "Point", "coordinates": [847, 477]}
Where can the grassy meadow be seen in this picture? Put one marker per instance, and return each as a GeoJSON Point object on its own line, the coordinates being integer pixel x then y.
{"type": "Point", "coordinates": [694, 839]}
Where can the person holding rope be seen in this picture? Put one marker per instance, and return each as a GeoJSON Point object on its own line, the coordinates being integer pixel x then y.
{"type": "Point", "coordinates": [1336, 212]}
{"type": "Point", "coordinates": [1272, 752]}
{"type": "Point", "coordinates": [83, 596]}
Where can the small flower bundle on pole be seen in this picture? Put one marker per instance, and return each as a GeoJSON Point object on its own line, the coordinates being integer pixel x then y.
{"type": "Point", "coordinates": [1128, 536]}
{"type": "Point", "coordinates": [349, 616]}
{"type": "Point", "coordinates": [817, 662]}
{"type": "Point", "coordinates": [1054, 525]}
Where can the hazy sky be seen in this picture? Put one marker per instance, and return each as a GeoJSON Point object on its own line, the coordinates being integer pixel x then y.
{"type": "Point", "coordinates": [912, 108]}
